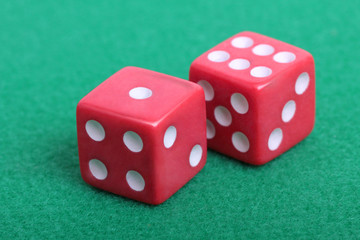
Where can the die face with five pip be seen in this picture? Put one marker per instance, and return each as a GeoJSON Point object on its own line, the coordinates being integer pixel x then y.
{"type": "Point", "coordinates": [142, 134]}
{"type": "Point", "coordinates": [260, 96]}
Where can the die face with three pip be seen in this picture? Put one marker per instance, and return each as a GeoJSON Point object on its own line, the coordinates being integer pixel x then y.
{"type": "Point", "coordinates": [260, 96]}
{"type": "Point", "coordinates": [142, 134]}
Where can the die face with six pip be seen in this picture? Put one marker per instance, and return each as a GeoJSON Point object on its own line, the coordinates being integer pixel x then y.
{"type": "Point", "coordinates": [142, 134]}
{"type": "Point", "coordinates": [260, 96]}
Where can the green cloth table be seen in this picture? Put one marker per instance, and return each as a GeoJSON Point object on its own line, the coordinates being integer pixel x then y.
{"type": "Point", "coordinates": [54, 52]}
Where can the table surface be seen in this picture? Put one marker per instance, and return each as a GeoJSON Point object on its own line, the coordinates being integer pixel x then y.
{"type": "Point", "coordinates": [55, 52]}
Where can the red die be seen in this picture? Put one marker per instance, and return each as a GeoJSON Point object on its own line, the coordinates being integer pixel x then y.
{"type": "Point", "coordinates": [142, 134]}
{"type": "Point", "coordinates": [260, 96]}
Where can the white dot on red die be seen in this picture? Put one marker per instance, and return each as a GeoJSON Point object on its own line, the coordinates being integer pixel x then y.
{"type": "Point", "coordinates": [208, 90]}
{"type": "Point", "coordinates": [195, 155]}
{"type": "Point", "coordinates": [140, 93]}
{"type": "Point", "coordinates": [302, 83]}
{"type": "Point", "coordinates": [240, 142]}
{"type": "Point", "coordinates": [218, 56]}
{"type": "Point", "coordinates": [242, 42]}
{"type": "Point", "coordinates": [223, 116]}
{"type": "Point", "coordinates": [284, 57]}
{"type": "Point", "coordinates": [260, 72]}
{"type": "Point", "coordinates": [98, 169]}
{"type": "Point", "coordinates": [239, 64]}
{"type": "Point", "coordinates": [133, 141]}
{"type": "Point", "coordinates": [135, 180]}
{"type": "Point", "coordinates": [169, 136]}
{"type": "Point", "coordinates": [210, 129]}
{"type": "Point", "coordinates": [288, 111]}
{"type": "Point", "coordinates": [263, 50]}
{"type": "Point", "coordinates": [275, 139]}
{"type": "Point", "coordinates": [95, 130]}
{"type": "Point", "coordinates": [239, 103]}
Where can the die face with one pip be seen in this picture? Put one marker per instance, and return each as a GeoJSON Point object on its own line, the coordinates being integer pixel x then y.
{"type": "Point", "coordinates": [260, 96]}
{"type": "Point", "coordinates": [142, 134]}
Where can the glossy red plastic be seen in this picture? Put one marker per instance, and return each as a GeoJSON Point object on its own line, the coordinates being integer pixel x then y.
{"type": "Point", "coordinates": [291, 80]}
{"type": "Point", "coordinates": [120, 109]}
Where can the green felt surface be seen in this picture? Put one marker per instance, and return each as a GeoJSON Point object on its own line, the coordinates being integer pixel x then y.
{"type": "Point", "coordinates": [54, 52]}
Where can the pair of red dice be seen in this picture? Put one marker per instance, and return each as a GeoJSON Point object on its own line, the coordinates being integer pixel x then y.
{"type": "Point", "coordinates": [143, 135]}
